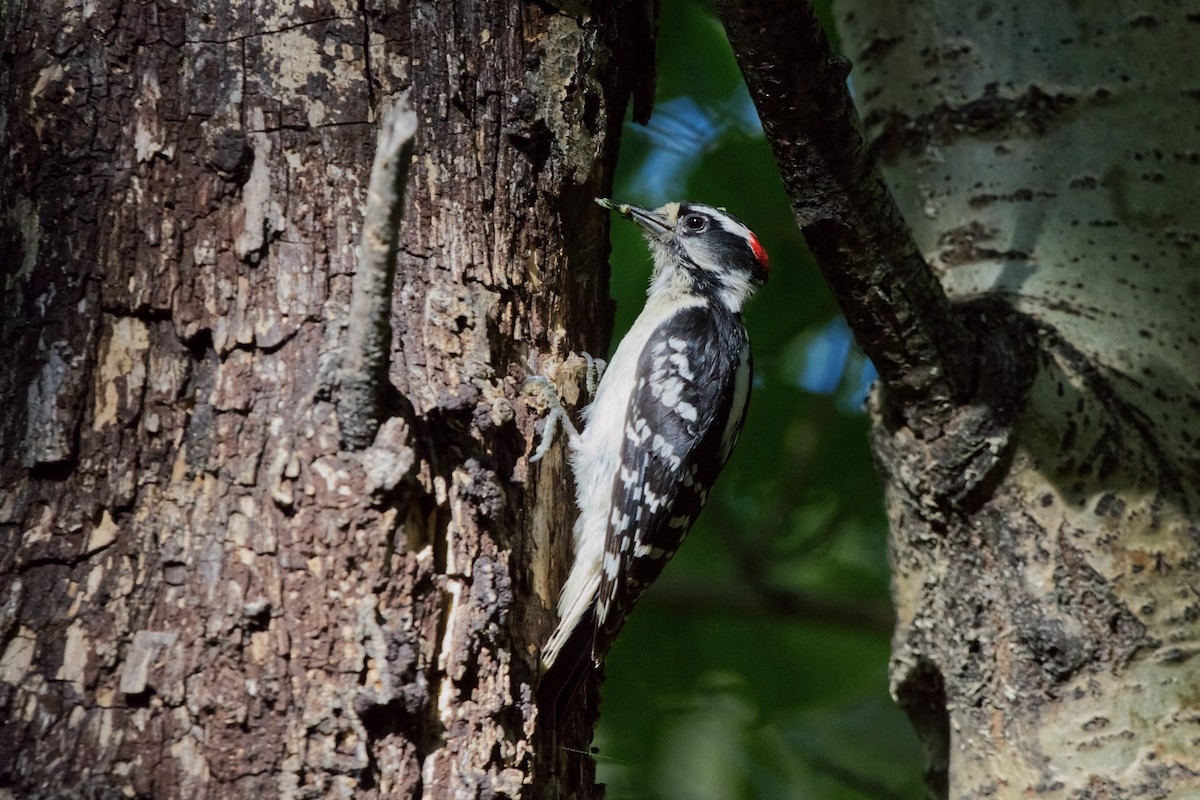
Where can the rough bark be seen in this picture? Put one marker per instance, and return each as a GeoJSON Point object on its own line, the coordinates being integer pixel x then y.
{"type": "Point", "coordinates": [1044, 159]}
{"type": "Point", "coordinates": [202, 594]}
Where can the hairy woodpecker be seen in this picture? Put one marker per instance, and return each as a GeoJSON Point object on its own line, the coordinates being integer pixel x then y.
{"type": "Point", "coordinates": [664, 419]}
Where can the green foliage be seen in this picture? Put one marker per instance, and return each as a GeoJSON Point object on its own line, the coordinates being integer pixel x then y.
{"type": "Point", "coordinates": [721, 687]}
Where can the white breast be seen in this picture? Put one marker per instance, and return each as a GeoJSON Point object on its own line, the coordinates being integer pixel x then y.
{"type": "Point", "coordinates": [596, 457]}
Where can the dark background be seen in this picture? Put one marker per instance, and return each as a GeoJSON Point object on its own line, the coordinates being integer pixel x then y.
{"type": "Point", "coordinates": [757, 665]}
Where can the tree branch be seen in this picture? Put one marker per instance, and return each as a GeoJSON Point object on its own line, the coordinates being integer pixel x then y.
{"type": "Point", "coordinates": [363, 379]}
{"type": "Point", "coordinates": [892, 300]}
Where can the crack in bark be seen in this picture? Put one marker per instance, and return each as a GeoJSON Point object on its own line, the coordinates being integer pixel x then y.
{"type": "Point", "coordinates": [272, 32]}
{"type": "Point", "coordinates": [368, 70]}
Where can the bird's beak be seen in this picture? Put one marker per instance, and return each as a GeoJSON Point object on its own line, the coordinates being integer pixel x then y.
{"type": "Point", "coordinates": [654, 223]}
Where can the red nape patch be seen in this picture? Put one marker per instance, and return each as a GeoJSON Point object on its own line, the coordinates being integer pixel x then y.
{"type": "Point", "coordinates": [759, 252]}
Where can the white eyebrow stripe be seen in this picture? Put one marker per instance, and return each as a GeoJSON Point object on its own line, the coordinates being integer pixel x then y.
{"type": "Point", "coordinates": [723, 219]}
{"type": "Point", "coordinates": [735, 228]}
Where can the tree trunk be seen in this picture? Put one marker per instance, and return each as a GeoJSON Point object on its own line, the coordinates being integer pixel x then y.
{"type": "Point", "coordinates": [204, 593]}
{"type": "Point", "coordinates": [1045, 159]}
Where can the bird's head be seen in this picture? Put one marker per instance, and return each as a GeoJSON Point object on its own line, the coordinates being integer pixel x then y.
{"type": "Point", "coordinates": [700, 248]}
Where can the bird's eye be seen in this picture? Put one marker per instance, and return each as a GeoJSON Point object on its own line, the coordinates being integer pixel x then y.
{"type": "Point", "coordinates": [695, 222]}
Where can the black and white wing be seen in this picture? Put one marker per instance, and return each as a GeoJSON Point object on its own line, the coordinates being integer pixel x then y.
{"type": "Point", "coordinates": [684, 417]}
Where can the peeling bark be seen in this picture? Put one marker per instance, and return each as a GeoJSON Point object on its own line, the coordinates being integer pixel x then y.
{"type": "Point", "coordinates": [202, 594]}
